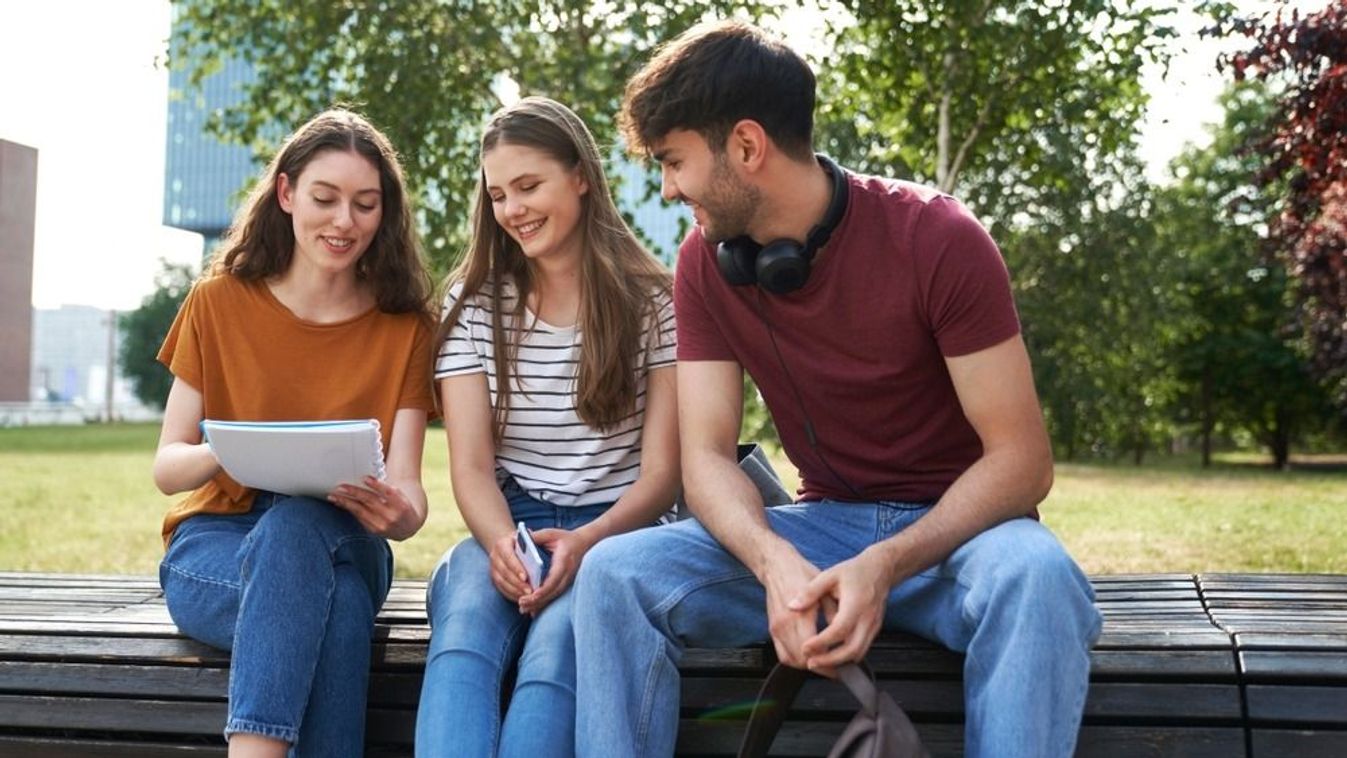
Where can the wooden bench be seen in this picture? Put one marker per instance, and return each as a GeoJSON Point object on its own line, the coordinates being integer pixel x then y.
{"type": "Point", "coordinates": [1206, 665]}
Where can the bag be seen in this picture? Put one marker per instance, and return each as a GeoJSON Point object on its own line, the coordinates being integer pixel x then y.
{"type": "Point", "coordinates": [879, 730]}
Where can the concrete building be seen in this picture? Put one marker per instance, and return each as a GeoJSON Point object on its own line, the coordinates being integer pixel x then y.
{"type": "Point", "coordinates": [74, 348]}
{"type": "Point", "coordinates": [18, 208]}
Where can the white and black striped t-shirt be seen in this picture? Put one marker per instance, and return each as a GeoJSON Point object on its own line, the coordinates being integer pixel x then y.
{"type": "Point", "coordinates": [553, 455]}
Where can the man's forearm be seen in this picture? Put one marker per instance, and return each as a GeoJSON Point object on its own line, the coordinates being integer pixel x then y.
{"type": "Point", "coordinates": [1000, 486]}
{"type": "Point", "coordinates": [727, 504]}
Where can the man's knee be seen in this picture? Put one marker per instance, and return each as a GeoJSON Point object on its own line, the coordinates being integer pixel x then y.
{"type": "Point", "coordinates": [610, 568]}
{"type": "Point", "coordinates": [1030, 574]}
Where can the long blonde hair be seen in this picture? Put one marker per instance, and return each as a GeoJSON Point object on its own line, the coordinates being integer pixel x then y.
{"type": "Point", "coordinates": [621, 283]}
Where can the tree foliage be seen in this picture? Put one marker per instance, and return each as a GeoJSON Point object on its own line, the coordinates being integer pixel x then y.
{"type": "Point", "coordinates": [144, 329]}
{"type": "Point", "coordinates": [1306, 149]}
{"type": "Point", "coordinates": [1005, 103]}
{"type": "Point", "coordinates": [1240, 365]}
{"type": "Point", "coordinates": [1097, 317]}
{"type": "Point", "coordinates": [426, 71]}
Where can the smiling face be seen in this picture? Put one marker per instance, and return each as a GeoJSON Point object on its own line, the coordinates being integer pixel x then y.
{"type": "Point", "coordinates": [690, 172]}
{"type": "Point", "coordinates": [336, 206]}
{"type": "Point", "coordinates": [535, 198]}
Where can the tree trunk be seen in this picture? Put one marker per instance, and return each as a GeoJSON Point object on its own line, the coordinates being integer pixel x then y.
{"type": "Point", "coordinates": [1208, 423]}
{"type": "Point", "coordinates": [1281, 441]}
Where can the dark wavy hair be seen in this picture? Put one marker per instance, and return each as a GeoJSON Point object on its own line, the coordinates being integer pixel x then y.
{"type": "Point", "coordinates": [261, 241]}
{"type": "Point", "coordinates": [620, 279]}
{"type": "Point", "coordinates": [714, 75]}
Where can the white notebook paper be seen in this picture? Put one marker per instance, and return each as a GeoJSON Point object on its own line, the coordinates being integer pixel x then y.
{"type": "Point", "coordinates": [297, 457]}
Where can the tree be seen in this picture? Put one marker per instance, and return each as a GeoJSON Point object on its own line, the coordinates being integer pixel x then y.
{"type": "Point", "coordinates": [1239, 364]}
{"type": "Point", "coordinates": [1097, 320]}
{"type": "Point", "coordinates": [1001, 102]}
{"type": "Point", "coordinates": [1027, 111]}
{"type": "Point", "coordinates": [1306, 149]}
{"type": "Point", "coordinates": [144, 329]}
{"type": "Point", "coordinates": [428, 72]}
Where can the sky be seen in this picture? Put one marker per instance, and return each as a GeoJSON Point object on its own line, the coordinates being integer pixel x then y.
{"type": "Point", "coordinates": [83, 81]}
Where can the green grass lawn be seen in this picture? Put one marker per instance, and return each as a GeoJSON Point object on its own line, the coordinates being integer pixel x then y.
{"type": "Point", "coordinates": [80, 499]}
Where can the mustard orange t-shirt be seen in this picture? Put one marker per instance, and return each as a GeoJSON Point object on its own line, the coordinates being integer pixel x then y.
{"type": "Point", "coordinates": [252, 359]}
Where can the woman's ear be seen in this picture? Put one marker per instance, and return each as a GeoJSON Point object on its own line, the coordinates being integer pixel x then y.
{"type": "Point", "coordinates": [581, 186]}
{"type": "Point", "coordinates": [285, 193]}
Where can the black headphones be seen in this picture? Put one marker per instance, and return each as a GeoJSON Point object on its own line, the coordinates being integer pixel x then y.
{"type": "Point", "coordinates": [782, 266]}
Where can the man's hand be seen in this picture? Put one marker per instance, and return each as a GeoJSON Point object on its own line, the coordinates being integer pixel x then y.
{"type": "Point", "coordinates": [853, 594]}
{"type": "Point", "coordinates": [787, 577]}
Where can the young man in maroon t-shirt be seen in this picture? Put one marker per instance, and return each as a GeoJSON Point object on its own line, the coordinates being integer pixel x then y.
{"type": "Point", "coordinates": [876, 318]}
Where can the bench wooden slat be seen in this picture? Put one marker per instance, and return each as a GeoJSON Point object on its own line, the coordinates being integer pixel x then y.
{"type": "Point", "coordinates": [1300, 743]}
{"type": "Point", "coordinates": [1261, 665]}
{"type": "Point", "coordinates": [1187, 665]}
{"type": "Point", "coordinates": [26, 747]}
{"type": "Point", "coordinates": [106, 679]}
{"type": "Point", "coordinates": [1298, 704]}
{"type": "Point", "coordinates": [113, 714]}
{"type": "Point", "coordinates": [1291, 641]}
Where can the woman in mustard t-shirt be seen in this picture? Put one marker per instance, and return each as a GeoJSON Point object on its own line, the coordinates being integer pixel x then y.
{"type": "Point", "coordinates": [315, 307]}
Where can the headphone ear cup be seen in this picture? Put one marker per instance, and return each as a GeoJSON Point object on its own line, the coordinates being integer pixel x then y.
{"type": "Point", "coordinates": [782, 267]}
{"type": "Point", "coordinates": [734, 258]}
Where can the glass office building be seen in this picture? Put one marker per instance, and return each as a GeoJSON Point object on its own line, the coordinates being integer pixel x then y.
{"type": "Point", "coordinates": [203, 178]}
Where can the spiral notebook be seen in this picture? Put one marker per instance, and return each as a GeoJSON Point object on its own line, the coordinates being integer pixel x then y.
{"type": "Point", "coordinates": [297, 457]}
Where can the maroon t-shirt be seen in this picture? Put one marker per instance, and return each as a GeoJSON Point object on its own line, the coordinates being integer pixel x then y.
{"type": "Point", "coordinates": [908, 278]}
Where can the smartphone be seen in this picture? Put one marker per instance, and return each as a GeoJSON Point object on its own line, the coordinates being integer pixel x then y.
{"type": "Point", "coordinates": [535, 560]}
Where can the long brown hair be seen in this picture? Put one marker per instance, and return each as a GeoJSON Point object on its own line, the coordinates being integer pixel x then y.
{"type": "Point", "coordinates": [621, 283]}
{"type": "Point", "coordinates": [261, 241]}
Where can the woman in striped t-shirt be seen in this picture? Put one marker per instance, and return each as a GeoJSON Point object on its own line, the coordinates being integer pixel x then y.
{"type": "Point", "coordinates": [556, 378]}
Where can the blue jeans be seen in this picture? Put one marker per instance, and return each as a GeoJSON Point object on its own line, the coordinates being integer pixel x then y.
{"type": "Point", "coordinates": [1011, 598]}
{"type": "Point", "coordinates": [476, 634]}
{"type": "Point", "coordinates": [291, 588]}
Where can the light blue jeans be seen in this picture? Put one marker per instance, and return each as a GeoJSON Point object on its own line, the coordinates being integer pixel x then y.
{"type": "Point", "coordinates": [476, 634]}
{"type": "Point", "coordinates": [1011, 598]}
{"type": "Point", "coordinates": [291, 588]}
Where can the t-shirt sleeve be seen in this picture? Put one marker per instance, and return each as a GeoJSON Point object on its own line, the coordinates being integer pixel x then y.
{"type": "Point", "coordinates": [662, 337]}
{"type": "Point", "coordinates": [181, 351]}
{"type": "Point", "coordinates": [459, 354]}
{"type": "Point", "coordinates": [416, 387]}
{"type": "Point", "coordinates": [964, 280]}
{"type": "Point", "coordinates": [699, 338]}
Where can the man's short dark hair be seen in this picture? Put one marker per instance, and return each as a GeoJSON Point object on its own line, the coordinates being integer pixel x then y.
{"type": "Point", "coordinates": [711, 77]}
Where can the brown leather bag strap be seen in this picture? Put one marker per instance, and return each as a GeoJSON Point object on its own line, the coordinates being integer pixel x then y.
{"type": "Point", "coordinates": [778, 691]}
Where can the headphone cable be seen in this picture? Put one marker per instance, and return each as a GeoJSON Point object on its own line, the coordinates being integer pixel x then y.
{"type": "Point", "coordinates": [799, 400]}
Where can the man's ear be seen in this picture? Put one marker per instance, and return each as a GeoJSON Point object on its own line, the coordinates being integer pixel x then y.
{"type": "Point", "coordinates": [285, 193]}
{"type": "Point", "coordinates": [747, 144]}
